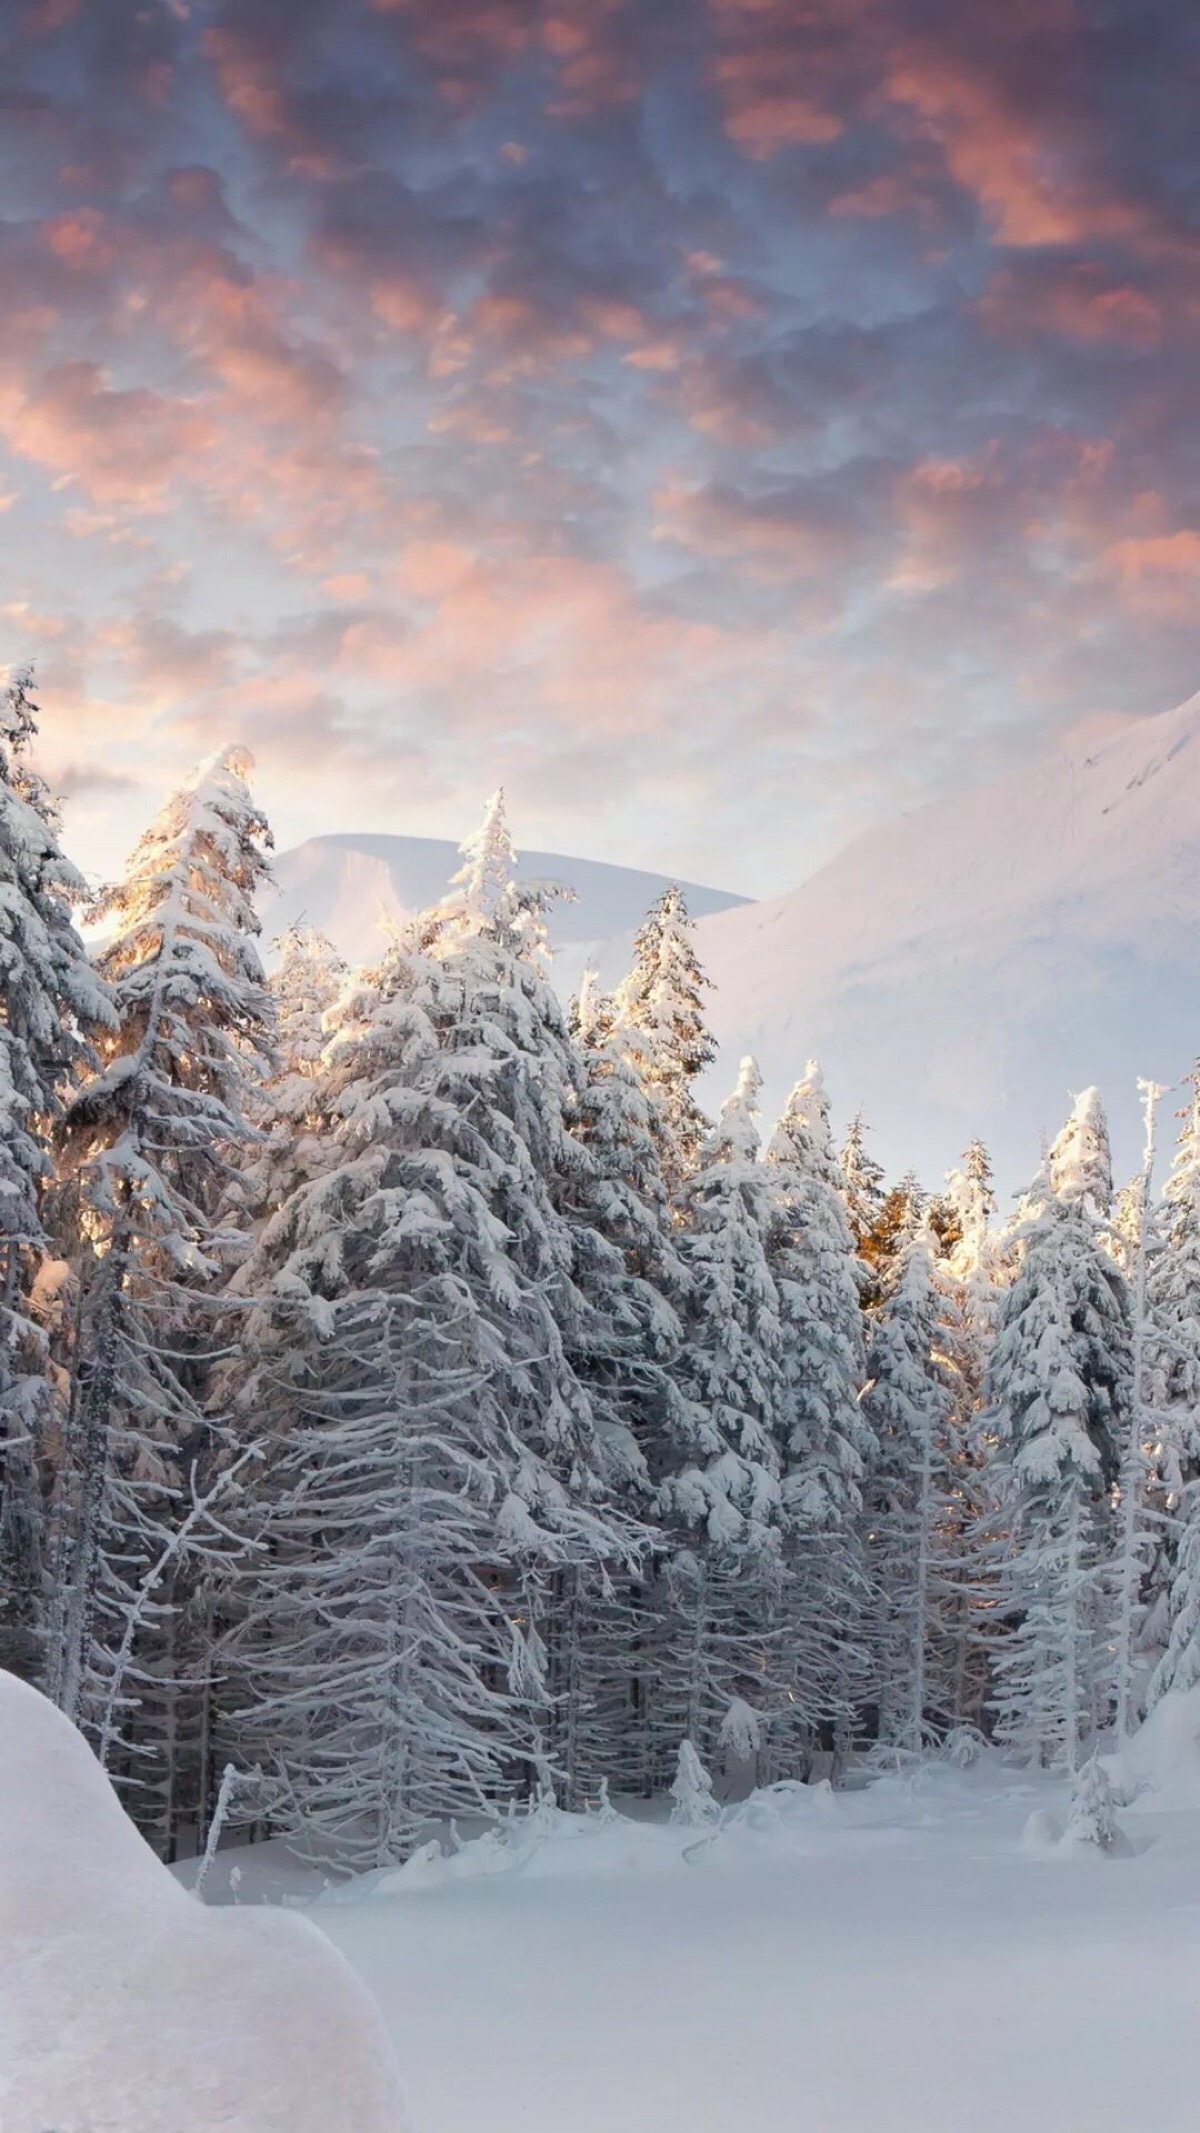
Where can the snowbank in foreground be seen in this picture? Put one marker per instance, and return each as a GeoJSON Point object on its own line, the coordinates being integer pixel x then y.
{"type": "Point", "coordinates": [127, 2007]}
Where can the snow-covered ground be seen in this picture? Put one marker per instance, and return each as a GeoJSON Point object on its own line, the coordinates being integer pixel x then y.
{"type": "Point", "coordinates": [128, 2007]}
{"type": "Point", "coordinates": [918, 1956]}
{"type": "Point", "coordinates": [897, 1960]}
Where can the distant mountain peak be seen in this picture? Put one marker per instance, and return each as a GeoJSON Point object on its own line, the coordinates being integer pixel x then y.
{"type": "Point", "coordinates": [357, 884]}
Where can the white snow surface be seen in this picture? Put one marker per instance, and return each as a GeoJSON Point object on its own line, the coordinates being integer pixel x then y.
{"type": "Point", "coordinates": [968, 966]}
{"type": "Point", "coordinates": [900, 1959]}
{"type": "Point", "coordinates": [354, 887]}
{"type": "Point", "coordinates": [128, 2007]}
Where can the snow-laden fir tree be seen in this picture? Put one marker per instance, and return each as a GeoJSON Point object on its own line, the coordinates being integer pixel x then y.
{"type": "Point", "coordinates": [52, 998]}
{"type": "Point", "coordinates": [307, 979]}
{"type": "Point", "coordinates": [862, 1182]}
{"type": "Point", "coordinates": [148, 1147]}
{"type": "Point", "coordinates": [969, 1274]}
{"type": "Point", "coordinates": [723, 1503]}
{"type": "Point", "coordinates": [660, 1011]}
{"type": "Point", "coordinates": [1140, 1528]}
{"type": "Point", "coordinates": [630, 1274]}
{"type": "Point", "coordinates": [912, 1528]}
{"type": "Point", "coordinates": [1172, 1392]}
{"type": "Point", "coordinates": [1058, 1393]}
{"type": "Point", "coordinates": [825, 1439]}
{"type": "Point", "coordinates": [693, 1805]}
{"type": "Point", "coordinates": [443, 1492]}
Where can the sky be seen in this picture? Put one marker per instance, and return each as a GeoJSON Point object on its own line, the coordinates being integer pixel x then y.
{"type": "Point", "coordinates": [725, 422]}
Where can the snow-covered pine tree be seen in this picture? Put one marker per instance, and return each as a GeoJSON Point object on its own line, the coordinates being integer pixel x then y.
{"type": "Point", "coordinates": [723, 1503]}
{"type": "Point", "coordinates": [910, 1504]}
{"type": "Point", "coordinates": [826, 1442]}
{"type": "Point", "coordinates": [630, 1274]}
{"type": "Point", "coordinates": [862, 1183]}
{"type": "Point", "coordinates": [1138, 1528]}
{"type": "Point", "coordinates": [443, 1494]}
{"type": "Point", "coordinates": [1172, 1392]}
{"type": "Point", "coordinates": [1058, 1392]}
{"type": "Point", "coordinates": [881, 1221]}
{"type": "Point", "coordinates": [148, 1145]}
{"type": "Point", "coordinates": [52, 998]}
{"type": "Point", "coordinates": [307, 979]}
{"type": "Point", "coordinates": [660, 1012]}
{"type": "Point", "coordinates": [968, 1274]}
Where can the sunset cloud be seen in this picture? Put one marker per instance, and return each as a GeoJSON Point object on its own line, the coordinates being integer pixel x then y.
{"type": "Point", "coordinates": [722, 420]}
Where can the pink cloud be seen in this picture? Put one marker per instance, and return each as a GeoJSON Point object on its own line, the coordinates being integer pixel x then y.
{"type": "Point", "coordinates": [1079, 300]}
{"type": "Point", "coordinates": [127, 447]}
{"type": "Point", "coordinates": [1157, 576]}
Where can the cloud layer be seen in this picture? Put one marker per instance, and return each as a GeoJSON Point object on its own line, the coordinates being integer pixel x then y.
{"type": "Point", "coordinates": [727, 421]}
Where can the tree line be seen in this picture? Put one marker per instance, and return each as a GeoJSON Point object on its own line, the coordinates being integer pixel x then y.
{"type": "Point", "coordinates": [412, 1403]}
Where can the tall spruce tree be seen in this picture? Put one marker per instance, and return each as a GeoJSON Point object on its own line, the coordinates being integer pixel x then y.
{"type": "Point", "coordinates": [968, 1274]}
{"type": "Point", "coordinates": [660, 1011]}
{"type": "Point", "coordinates": [909, 1404]}
{"type": "Point", "coordinates": [1058, 1392]}
{"type": "Point", "coordinates": [825, 1439]}
{"type": "Point", "coordinates": [444, 1493]}
{"type": "Point", "coordinates": [52, 999]}
{"type": "Point", "coordinates": [1172, 1392]}
{"type": "Point", "coordinates": [723, 1504]}
{"type": "Point", "coordinates": [629, 1270]}
{"type": "Point", "coordinates": [148, 1146]}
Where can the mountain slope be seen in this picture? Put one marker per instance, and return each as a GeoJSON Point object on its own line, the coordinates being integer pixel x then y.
{"type": "Point", "coordinates": [965, 967]}
{"type": "Point", "coordinates": [354, 886]}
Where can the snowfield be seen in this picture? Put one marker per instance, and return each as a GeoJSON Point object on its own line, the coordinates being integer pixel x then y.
{"type": "Point", "coordinates": [905, 1959]}
{"type": "Point", "coordinates": [919, 1956]}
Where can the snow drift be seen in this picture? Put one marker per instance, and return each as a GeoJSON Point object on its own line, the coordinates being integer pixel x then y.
{"type": "Point", "coordinates": [126, 2006]}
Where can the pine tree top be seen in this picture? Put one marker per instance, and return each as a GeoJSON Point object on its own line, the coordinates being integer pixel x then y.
{"type": "Point", "coordinates": [1079, 1164]}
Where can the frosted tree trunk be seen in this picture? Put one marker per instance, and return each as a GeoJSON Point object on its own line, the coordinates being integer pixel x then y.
{"type": "Point", "coordinates": [920, 1626]}
{"type": "Point", "coordinates": [1071, 1641]}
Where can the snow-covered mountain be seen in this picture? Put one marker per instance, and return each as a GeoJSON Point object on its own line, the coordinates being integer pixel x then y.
{"type": "Point", "coordinates": [355, 886]}
{"type": "Point", "coordinates": [963, 968]}
{"type": "Point", "coordinates": [966, 966]}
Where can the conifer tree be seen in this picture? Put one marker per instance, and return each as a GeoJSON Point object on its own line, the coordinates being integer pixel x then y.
{"type": "Point", "coordinates": [1135, 1531]}
{"type": "Point", "coordinates": [968, 1274]}
{"type": "Point", "coordinates": [723, 1504]}
{"type": "Point", "coordinates": [1058, 1392]}
{"type": "Point", "coordinates": [629, 1271]}
{"type": "Point", "coordinates": [444, 1492]}
{"type": "Point", "coordinates": [148, 1146]}
{"type": "Point", "coordinates": [308, 978]}
{"type": "Point", "coordinates": [660, 1009]}
{"type": "Point", "coordinates": [826, 1442]}
{"type": "Point", "coordinates": [909, 1404]}
{"type": "Point", "coordinates": [52, 1000]}
{"type": "Point", "coordinates": [1171, 1385]}
{"type": "Point", "coordinates": [862, 1183]}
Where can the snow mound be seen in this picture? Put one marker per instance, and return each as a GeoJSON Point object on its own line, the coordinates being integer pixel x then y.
{"type": "Point", "coordinates": [127, 2007]}
{"type": "Point", "coordinates": [1163, 1758]}
{"type": "Point", "coordinates": [548, 1843]}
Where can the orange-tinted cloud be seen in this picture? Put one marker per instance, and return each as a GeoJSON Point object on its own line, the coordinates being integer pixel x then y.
{"type": "Point", "coordinates": [120, 446]}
